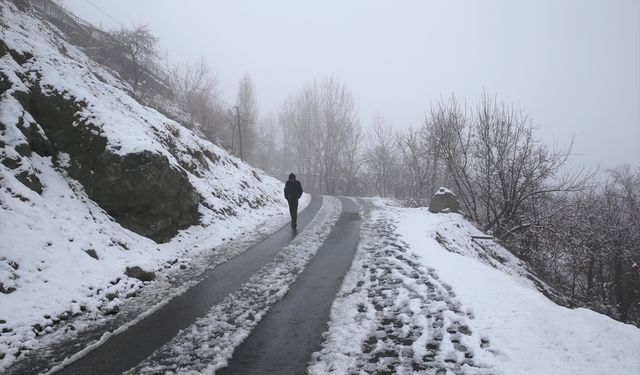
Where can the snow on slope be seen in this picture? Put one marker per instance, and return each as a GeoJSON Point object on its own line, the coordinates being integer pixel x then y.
{"type": "Point", "coordinates": [533, 334]}
{"type": "Point", "coordinates": [422, 297]}
{"type": "Point", "coordinates": [46, 272]}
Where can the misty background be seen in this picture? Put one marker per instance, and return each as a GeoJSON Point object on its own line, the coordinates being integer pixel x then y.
{"type": "Point", "coordinates": [477, 102]}
{"type": "Point", "coordinates": [572, 66]}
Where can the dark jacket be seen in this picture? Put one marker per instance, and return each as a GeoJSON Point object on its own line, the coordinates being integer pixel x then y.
{"type": "Point", "coordinates": [292, 190]}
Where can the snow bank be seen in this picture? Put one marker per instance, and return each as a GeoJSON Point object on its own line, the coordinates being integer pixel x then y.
{"type": "Point", "coordinates": [529, 333]}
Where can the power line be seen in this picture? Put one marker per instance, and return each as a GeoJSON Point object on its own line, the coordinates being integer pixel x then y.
{"type": "Point", "coordinates": [105, 13]}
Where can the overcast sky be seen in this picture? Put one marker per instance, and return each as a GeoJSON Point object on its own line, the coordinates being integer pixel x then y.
{"type": "Point", "coordinates": [573, 66]}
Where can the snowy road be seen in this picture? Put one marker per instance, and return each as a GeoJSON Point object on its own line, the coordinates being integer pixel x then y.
{"type": "Point", "coordinates": [291, 332]}
{"type": "Point", "coordinates": [127, 349]}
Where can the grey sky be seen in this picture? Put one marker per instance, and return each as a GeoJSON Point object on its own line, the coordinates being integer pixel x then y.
{"type": "Point", "coordinates": [573, 66]}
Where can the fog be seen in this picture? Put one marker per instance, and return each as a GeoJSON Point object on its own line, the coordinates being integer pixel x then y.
{"type": "Point", "coordinates": [572, 66]}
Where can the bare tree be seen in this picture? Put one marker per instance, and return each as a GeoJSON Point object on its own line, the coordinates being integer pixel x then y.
{"type": "Point", "coordinates": [420, 161]}
{"type": "Point", "coordinates": [381, 156]}
{"type": "Point", "coordinates": [497, 166]}
{"type": "Point", "coordinates": [300, 119]}
{"type": "Point", "coordinates": [192, 80]}
{"type": "Point", "coordinates": [511, 167]}
{"type": "Point", "coordinates": [625, 230]}
{"type": "Point", "coordinates": [286, 120]}
{"type": "Point", "coordinates": [195, 88]}
{"type": "Point", "coordinates": [247, 108]}
{"type": "Point", "coordinates": [588, 248]}
{"type": "Point", "coordinates": [451, 126]}
{"type": "Point", "coordinates": [140, 45]}
{"type": "Point", "coordinates": [338, 119]}
{"type": "Point", "coordinates": [321, 135]}
{"type": "Point", "coordinates": [353, 161]}
{"type": "Point", "coordinates": [265, 146]}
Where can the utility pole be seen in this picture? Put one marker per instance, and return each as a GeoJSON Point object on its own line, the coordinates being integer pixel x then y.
{"type": "Point", "coordinates": [239, 131]}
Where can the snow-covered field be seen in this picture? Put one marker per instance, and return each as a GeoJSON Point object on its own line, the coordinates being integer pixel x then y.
{"type": "Point", "coordinates": [61, 255]}
{"type": "Point", "coordinates": [423, 297]}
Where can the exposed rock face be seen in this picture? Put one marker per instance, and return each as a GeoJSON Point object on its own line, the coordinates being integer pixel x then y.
{"type": "Point", "coordinates": [444, 201]}
{"type": "Point", "coordinates": [140, 274]}
{"type": "Point", "coordinates": [142, 191]}
{"type": "Point", "coordinates": [92, 253]}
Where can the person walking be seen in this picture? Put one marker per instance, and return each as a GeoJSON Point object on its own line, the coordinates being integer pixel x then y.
{"type": "Point", "coordinates": [293, 192]}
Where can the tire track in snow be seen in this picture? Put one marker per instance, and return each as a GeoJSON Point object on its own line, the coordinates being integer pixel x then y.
{"type": "Point", "coordinates": [208, 344]}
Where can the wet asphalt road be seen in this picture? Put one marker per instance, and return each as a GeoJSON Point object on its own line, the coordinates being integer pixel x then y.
{"type": "Point", "coordinates": [123, 351]}
{"type": "Point", "coordinates": [283, 341]}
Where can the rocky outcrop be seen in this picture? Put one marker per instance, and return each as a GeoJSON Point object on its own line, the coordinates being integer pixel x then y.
{"type": "Point", "coordinates": [142, 191]}
{"type": "Point", "coordinates": [140, 274]}
{"type": "Point", "coordinates": [444, 201]}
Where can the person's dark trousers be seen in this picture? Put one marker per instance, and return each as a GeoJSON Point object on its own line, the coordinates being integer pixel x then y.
{"type": "Point", "coordinates": [293, 210]}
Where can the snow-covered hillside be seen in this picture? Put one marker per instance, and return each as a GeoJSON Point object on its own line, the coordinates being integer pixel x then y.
{"type": "Point", "coordinates": [427, 294]}
{"type": "Point", "coordinates": [89, 176]}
